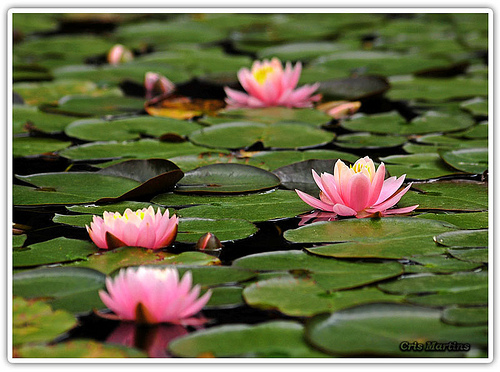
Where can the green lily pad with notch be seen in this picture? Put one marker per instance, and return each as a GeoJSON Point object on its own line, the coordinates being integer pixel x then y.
{"type": "Point", "coordinates": [18, 240]}
{"type": "Point", "coordinates": [463, 238]}
{"type": "Point", "coordinates": [368, 141]}
{"type": "Point", "coordinates": [270, 115]}
{"type": "Point", "coordinates": [380, 330]}
{"type": "Point", "coordinates": [437, 89]}
{"type": "Point", "coordinates": [475, 132]}
{"type": "Point", "coordinates": [80, 349]}
{"type": "Point", "coordinates": [234, 135]}
{"type": "Point", "coordinates": [35, 322]}
{"type": "Point", "coordinates": [303, 297]}
{"type": "Point", "coordinates": [394, 238]}
{"type": "Point", "coordinates": [31, 146]}
{"type": "Point", "coordinates": [466, 297]}
{"type": "Point", "coordinates": [470, 254]}
{"type": "Point", "coordinates": [329, 274]}
{"type": "Point", "coordinates": [87, 106]}
{"type": "Point", "coordinates": [448, 195]}
{"type": "Point", "coordinates": [466, 316]}
{"type": "Point", "coordinates": [269, 339]}
{"type": "Point", "coordinates": [42, 121]}
{"type": "Point", "coordinates": [476, 106]}
{"type": "Point", "coordinates": [393, 123]}
{"type": "Point", "coordinates": [109, 261]}
{"type": "Point", "coordinates": [430, 283]}
{"type": "Point", "coordinates": [52, 251]}
{"type": "Point", "coordinates": [141, 149]}
{"type": "Point", "coordinates": [473, 160]}
{"type": "Point", "coordinates": [304, 51]}
{"type": "Point", "coordinates": [344, 63]}
{"type": "Point", "coordinates": [226, 178]}
{"type": "Point", "coordinates": [128, 128]}
{"type": "Point", "coordinates": [70, 188]}
{"type": "Point", "coordinates": [472, 220]}
{"type": "Point", "coordinates": [253, 207]}
{"type": "Point", "coordinates": [439, 264]}
{"type": "Point", "coordinates": [192, 229]}
{"type": "Point", "coordinates": [68, 288]}
{"type": "Point", "coordinates": [417, 166]}
{"type": "Point", "coordinates": [51, 92]}
{"type": "Point", "coordinates": [225, 297]}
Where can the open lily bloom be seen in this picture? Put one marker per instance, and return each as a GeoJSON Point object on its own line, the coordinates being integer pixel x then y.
{"type": "Point", "coordinates": [358, 190]}
{"type": "Point", "coordinates": [268, 84]}
{"type": "Point", "coordinates": [142, 228]}
{"type": "Point", "coordinates": [156, 84]}
{"type": "Point", "coordinates": [151, 295]}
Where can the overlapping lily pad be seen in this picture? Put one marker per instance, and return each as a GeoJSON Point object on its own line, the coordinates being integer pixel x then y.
{"type": "Point", "coordinates": [25, 117]}
{"type": "Point", "coordinates": [417, 166]}
{"type": "Point", "coordinates": [68, 288]}
{"type": "Point", "coordinates": [268, 339]}
{"type": "Point", "coordinates": [463, 238]}
{"type": "Point", "coordinates": [468, 316]}
{"type": "Point", "coordinates": [128, 129]}
{"type": "Point", "coordinates": [87, 106]}
{"type": "Point", "coordinates": [439, 264]}
{"type": "Point", "coordinates": [381, 329]}
{"type": "Point", "coordinates": [369, 141]}
{"type": "Point", "coordinates": [472, 220]}
{"type": "Point", "coordinates": [473, 160]}
{"type": "Point", "coordinates": [234, 135]}
{"type": "Point", "coordinates": [30, 146]}
{"type": "Point", "coordinates": [396, 237]}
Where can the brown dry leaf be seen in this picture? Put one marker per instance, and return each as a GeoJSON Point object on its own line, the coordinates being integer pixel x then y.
{"type": "Point", "coordinates": [183, 107]}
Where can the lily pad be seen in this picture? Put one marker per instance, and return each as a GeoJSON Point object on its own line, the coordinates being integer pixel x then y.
{"type": "Point", "coordinates": [225, 297]}
{"type": "Point", "coordinates": [328, 273]}
{"type": "Point", "coordinates": [467, 297]}
{"type": "Point", "coordinates": [303, 297]}
{"type": "Point", "coordinates": [234, 135]}
{"type": "Point", "coordinates": [115, 207]}
{"type": "Point", "coordinates": [18, 240]}
{"type": "Point", "coordinates": [386, 330]}
{"type": "Point", "coordinates": [99, 106]}
{"type": "Point", "coordinates": [472, 220]}
{"type": "Point", "coordinates": [476, 106]}
{"type": "Point", "coordinates": [431, 121]}
{"type": "Point", "coordinates": [52, 251]}
{"type": "Point", "coordinates": [437, 89]}
{"type": "Point", "coordinates": [268, 339]}
{"type": "Point", "coordinates": [448, 195]}
{"type": "Point", "coordinates": [128, 129]}
{"type": "Point", "coordinates": [473, 160]}
{"type": "Point", "coordinates": [463, 238]}
{"type": "Point", "coordinates": [35, 322]}
{"type": "Point", "coordinates": [80, 349]}
{"type": "Point", "coordinates": [42, 121]}
{"type": "Point", "coordinates": [109, 261]}
{"type": "Point", "coordinates": [30, 146]}
{"type": "Point", "coordinates": [68, 288]}
{"type": "Point", "coordinates": [395, 238]}
{"type": "Point", "coordinates": [368, 141]}
{"type": "Point", "coordinates": [253, 207]}
{"type": "Point", "coordinates": [191, 229]}
{"type": "Point", "coordinates": [226, 178]}
{"type": "Point", "coordinates": [210, 276]}
{"type": "Point", "coordinates": [141, 149]}
{"type": "Point", "coordinates": [353, 88]}
{"type": "Point", "coordinates": [466, 316]}
{"type": "Point", "coordinates": [300, 51]}
{"type": "Point", "coordinates": [470, 254]}
{"type": "Point", "coordinates": [439, 264]}
{"type": "Point", "coordinates": [417, 166]}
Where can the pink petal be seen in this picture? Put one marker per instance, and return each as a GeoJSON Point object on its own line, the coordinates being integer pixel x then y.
{"type": "Point", "coordinates": [343, 210]}
{"type": "Point", "coordinates": [377, 183]}
{"type": "Point", "coordinates": [400, 210]}
{"type": "Point", "coordinates": [313, 202]}
{"type": "Point", "coordinates": [389, 202]}
{"type": "Point", "coordinates": [359, 190]}
{"type": "Point", "coordinates": [390, 186]}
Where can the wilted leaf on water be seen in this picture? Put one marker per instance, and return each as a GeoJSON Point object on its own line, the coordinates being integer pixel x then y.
{"type": "Point", "coordinates": [35, 322]}
{"type": "Point", "coordinates": [184, 108]}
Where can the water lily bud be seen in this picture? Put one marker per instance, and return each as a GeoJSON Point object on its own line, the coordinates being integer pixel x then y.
{"type": "Point", "coordinates": [156, 84]}
{"type": "Point", "coordinates": [119, 54]}
{"type": "Point", "coordinates": [208, 242]}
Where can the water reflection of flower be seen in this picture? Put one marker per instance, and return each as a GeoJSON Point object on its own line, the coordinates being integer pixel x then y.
{"type": "Point", "coordinates": [151, 295]}
{"type": "Point", "coordinates": [153, 339]}
{"type": "Point", "coordinates": [358, 190]}
{"type": "Point", "coordinates": [316, 216]}
{"type": "Point", "coordinates": [142, 228]}
{"type": "Point", "coordinates": [268, 84]}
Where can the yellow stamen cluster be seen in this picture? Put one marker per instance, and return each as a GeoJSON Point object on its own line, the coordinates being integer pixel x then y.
{"type": "Point", "coordinates": [261, 74]}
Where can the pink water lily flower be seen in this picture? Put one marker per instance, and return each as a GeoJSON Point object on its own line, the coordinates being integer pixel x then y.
{"type": "Point", "coordinates": [142, 228]}
{"type": "Point", "coordinates": [151, 295]}
{"type": "Point", "coordinates": [119, 54]}
{"type": "Point", "coordinates": [358, 190]}
{"type": "Point", "coordinates": [156, 84]}
{"type": "Point", "coordinates": [268, 84]}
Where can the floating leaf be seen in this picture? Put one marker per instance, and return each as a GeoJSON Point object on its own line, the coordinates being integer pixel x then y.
{"type": "Point", "coordinates": [30, 146]}
{"type": "Point", "coordinates": [234, 135]}
{"type": "Point", "coordinates": [417, 166]}
{"type": "Point", "coordinates": [226, 178]}
{"type": "Point", "coordinates": [466, 316]}
{"type": "Point", "coordinates": [448, 195]}
{"type": "Point", "coordinates": [471, 254]}
{"type": "Point", "coordinates": [52, 251]}
{"type": "Point", "coordinates": [473, 160]}
{"type": "Point", "coordinates": [225, 297]}
{"type": "Point", "coordinates": [476, 106]}
{"type": "Point", "coordinates": [35, 321]}
{"type": "Point", "coordinates": [472, 220]}
{"type": "Point", "coordinates": [68, 288]}
{"type": "Point", "coordinates": [395, 237]}
{"type": "Point", "coordinates": [268, 339]}
{"type": "Point", "coordinates": [99, 106]}
{"type": "Point", "coordinates": [383, 329]}
{"type": "Point", "coordinates": [191, 229]}
{"type": "Point", "coordinates": [18, 240]}
{"type": "Point", "coordinates": [184, 108]}
{"type": "Point", "coordinates": [368, 141]}
{"type": "Point", "coordinates": [24, 117]}
{"type": "Point", "coordinates": [127, 129]}
{"type": "Point", "coordinates": [439, 264]}
{"type": "Point", "coordinates": [354, 88]}
{"type": "Point", "coordinates": [463, 238]}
